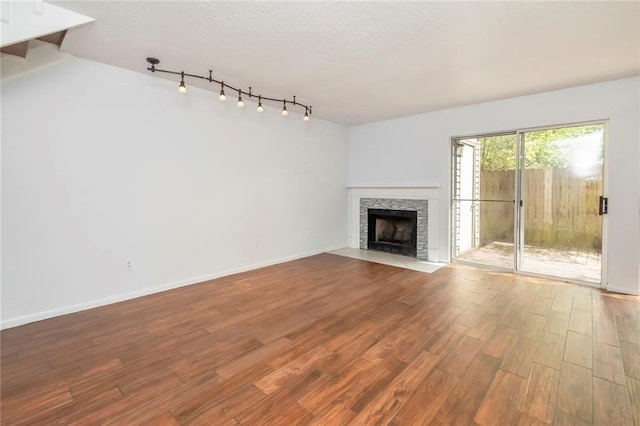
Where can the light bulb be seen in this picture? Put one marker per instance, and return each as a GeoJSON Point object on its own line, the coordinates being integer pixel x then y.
{"type": "Point", "coordinates": [306, 117]}
{"type": "Point", "coordinates": [222, 97]}
{"type": "Point", "coordinates": [284, 111]}
{"type": "Point", "coordinates": [182, 88]}
{"type": "Point", "coordinates": [240, 103]}
{"type": "Point", "coordinates": [260, 109]}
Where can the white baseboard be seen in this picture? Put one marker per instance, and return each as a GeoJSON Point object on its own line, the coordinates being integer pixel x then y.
{"type": "Point", "coordinates": [615, 289]}
{"type": "Point", "coordinates": [25, 319]}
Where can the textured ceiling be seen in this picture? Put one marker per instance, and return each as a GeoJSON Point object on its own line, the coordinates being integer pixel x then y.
{"type": "Point", "coordinates": [358, 62]}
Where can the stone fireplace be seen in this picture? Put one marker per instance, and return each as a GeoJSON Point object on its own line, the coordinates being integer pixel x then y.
{"type": "Point", "coordinates": [423, 201]}
{"type": "Point", "coordinates": [394, 225]}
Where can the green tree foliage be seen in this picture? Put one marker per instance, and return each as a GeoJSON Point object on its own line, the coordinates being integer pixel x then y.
{"type": "Point", "coordinates": [549, 148]}
{"type": "Point", "coordinates": [498, 153]}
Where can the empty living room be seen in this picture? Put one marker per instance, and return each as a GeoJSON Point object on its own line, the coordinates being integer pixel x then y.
{"type": "Point", "coordinates": [320, 213]}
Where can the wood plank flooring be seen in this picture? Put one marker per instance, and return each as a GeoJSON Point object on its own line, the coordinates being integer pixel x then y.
{"type": "Point", "coordinates": [329, 340]}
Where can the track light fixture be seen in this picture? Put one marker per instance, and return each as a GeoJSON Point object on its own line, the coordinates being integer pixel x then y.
{"type": "Point", "coordinates": [240, 101]}
{"type": "Point", "coordinates": [182, 88]}
{"type": "Point", "coordinates": [222, 96]}
{"type": "Point", "coordinates": [260, 109]}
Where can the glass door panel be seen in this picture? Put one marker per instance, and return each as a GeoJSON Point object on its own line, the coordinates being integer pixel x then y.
{"type": "Point", "coordinates": [491, 240]}
{"type": "Point", "coordinates": [483, 200]}
{"type": "Point", "coordinates": [560, 186]}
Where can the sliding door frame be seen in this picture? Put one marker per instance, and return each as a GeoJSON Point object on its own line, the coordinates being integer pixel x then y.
{"type": "Point", "coordinates": [454, 143]}
{"type": "Point", "coordinates": [518, 210]}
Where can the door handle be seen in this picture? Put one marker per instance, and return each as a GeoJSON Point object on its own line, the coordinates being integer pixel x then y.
{"type": "Point", "coordinates": [603, 207]}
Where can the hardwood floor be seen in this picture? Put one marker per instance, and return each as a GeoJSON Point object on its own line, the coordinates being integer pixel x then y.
{"type": "Point", "coordinates": [329, 340]}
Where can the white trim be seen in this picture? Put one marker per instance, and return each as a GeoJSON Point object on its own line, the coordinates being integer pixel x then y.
{"type": "Point", "coordinates": [622, 290]}
{"type": "Point", "coordinates": [25, 319]}
{"type": "Point", "coordinates": [560, 279]}
{"type": "Point", "coordinates": [604, 247]}
{"type": "Point", "coordinates": [530, 129]}
{"type": "Point", "coordinates": [484, 266]}
{"type": "Point", "coordinates": [530, 274]}
{"type": "Point", "coordinates": [546, 277]}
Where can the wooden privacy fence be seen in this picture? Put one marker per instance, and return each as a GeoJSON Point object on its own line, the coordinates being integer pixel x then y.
{"type": "Point", "coordinates": [560, 209]}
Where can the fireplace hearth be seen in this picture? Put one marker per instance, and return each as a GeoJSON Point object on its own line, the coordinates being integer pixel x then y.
{"type": "Point", "coordinates": [393, 231]}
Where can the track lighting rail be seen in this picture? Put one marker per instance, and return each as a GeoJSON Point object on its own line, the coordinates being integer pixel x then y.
{"type": "Point", "coordinates": [182, 88]}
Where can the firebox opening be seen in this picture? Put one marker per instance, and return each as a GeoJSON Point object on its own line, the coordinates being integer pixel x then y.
{"type": "Point", "coordinates": [393, 231]}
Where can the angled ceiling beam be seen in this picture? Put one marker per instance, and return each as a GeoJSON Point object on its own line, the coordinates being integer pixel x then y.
{"type": "Point", "coordinates": [18, 49]}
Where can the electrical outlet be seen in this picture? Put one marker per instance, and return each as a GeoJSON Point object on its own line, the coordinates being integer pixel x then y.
{"type": "Point", "coordinates": [128, 265]}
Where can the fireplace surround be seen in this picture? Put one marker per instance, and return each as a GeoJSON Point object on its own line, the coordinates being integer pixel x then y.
{"type": "Point", "coordinates": [427, 192]}
{"type": "Point", "coordinates": [419, 207]}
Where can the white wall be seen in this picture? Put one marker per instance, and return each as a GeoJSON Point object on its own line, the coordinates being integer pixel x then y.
{"type": "Point", "coordinates": [416, 150]}
{"type": "Point", "coordinates": [101, 164]}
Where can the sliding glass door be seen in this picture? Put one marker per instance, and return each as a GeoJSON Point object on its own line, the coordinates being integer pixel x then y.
{"type": "Point", "coordinates": [560, 188]}
{"type": "Point", "coordinates": [531, 201]}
